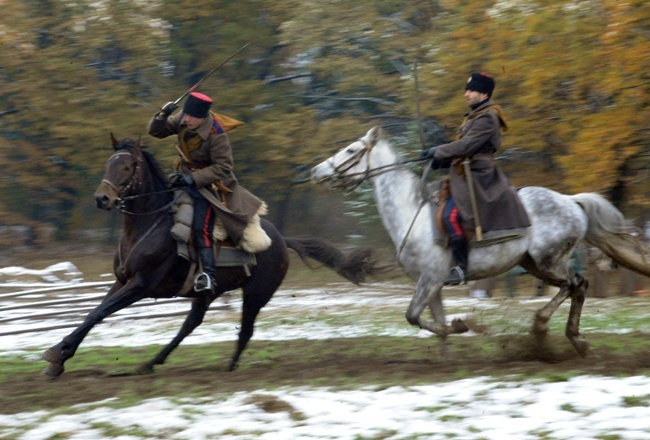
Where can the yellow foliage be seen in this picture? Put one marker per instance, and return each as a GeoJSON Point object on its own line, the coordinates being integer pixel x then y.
{"type": "Point", "coordinates": [571, 77]}
{"type": "Point", "coordinates": [596, 154]}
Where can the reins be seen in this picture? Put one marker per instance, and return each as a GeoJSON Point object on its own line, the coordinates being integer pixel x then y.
{"type": "Point", "coordinates": [345, 181]}
{"type": "Point", "coordinates": [146, 234]}
{"type": "Point", "coordinates": [425, 171]}
{"type": "Point", "coordinates": [119, 206]}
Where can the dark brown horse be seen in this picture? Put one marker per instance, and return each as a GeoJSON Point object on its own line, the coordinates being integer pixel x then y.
{"type": "Point", "coordinates": [147, 265]}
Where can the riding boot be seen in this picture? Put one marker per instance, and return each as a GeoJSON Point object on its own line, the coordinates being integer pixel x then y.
{"type": "Point", "coordinates": [207, 280]}
{"type": "Point", "coordinates": [460, 251]}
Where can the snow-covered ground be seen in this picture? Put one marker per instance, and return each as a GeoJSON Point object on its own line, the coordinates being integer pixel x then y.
{"type": "Point", "coordinates": [479, 408]}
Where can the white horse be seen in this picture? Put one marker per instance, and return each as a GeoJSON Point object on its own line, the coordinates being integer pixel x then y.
{"type": "Point", "coordinates": [558, 223]}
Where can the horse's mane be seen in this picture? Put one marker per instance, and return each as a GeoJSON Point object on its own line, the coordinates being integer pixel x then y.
{"type": "Point", "coordinates": [156, 169]}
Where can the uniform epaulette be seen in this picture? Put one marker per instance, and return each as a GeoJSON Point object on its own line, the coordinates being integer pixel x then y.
{"type": "Point", "coordinates": [216, 127]}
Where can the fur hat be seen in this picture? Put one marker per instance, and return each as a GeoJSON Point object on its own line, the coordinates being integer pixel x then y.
{"type": "Point", "coordinates": [480, 82]}
{"type": "Point", "coordinates": [197, 105]}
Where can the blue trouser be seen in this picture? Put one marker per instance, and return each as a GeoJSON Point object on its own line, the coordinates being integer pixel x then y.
{"type": "Point", "coordinates": [451, 219]}
{"type": "Point", "coordinates": [203, 221]}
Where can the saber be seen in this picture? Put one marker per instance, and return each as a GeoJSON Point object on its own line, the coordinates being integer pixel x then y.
{"type": "Point", "coordinates": [209, 74]}
{"type": "Point", "coordinates": [472, 197]}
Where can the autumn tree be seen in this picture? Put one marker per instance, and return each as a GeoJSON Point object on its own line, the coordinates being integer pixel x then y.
{"type": "Point", "coordinates": [572, 78]}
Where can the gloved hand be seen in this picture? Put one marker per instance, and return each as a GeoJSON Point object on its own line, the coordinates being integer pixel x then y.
{"type": "Point", "coordinates": [188, 179]}
{"type": "Point", "coordinates": [428, 154]}
{"type": "Point", "coordinates": [169, 108]}
{"type": "Point", "coordinates": [180, 180]}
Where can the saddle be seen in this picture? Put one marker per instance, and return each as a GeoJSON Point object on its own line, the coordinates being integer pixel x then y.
{"type": "Point", "coordinates": [438, 199]}
{"type": "Point", "coordinates": [228, 254]}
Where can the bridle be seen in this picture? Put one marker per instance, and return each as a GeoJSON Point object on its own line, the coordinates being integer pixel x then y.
{"type": "Point", "coordinates": [349, 182]}
{"type": "Point", "coordinates": [338, 180]}
{"type": "Point", "coordinates": [133, 184]}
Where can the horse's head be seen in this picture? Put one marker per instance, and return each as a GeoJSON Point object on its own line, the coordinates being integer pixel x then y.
{"type": "Point", "coordinates": [351, 165]}
{"type": "Point", "coordinates": [123, 174]}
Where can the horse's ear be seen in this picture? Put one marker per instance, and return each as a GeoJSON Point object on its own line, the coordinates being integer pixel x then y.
{"type": "Point", "coordinates": [376, 133]}
{"type": "Point", "coordinates": [113, 140]}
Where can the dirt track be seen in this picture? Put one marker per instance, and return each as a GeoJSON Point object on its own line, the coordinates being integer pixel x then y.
{"type": "Point", "coordinates": [337, 362]}
{"type": "Point", "coordinates": [96, 373]}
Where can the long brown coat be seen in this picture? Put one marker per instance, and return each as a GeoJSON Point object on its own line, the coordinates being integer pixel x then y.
{"type": "Point", "coordinates": [499, 206]}
{"type": "Point", "coordinates": [207, 155]}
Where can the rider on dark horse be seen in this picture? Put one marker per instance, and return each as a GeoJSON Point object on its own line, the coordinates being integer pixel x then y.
{"type": "Point", "coordinates": [496, 200]}
{"type": "Point", "coordinates": [205, 170]}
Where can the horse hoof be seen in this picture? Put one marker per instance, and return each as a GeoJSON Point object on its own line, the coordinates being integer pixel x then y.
{"type": "Point", "coordinates": [144, 369]}
{"type": "Point", "coordinates": [459, 326]}
{"type": "Point", "coordinates": [582, 347]}
{"type": "Point", "coordinates": [540, 330]}
{"type": "Point", "coordinates": [53, 370]}
{"type": "Point", "coordinates": [233, 366]}
{"type": "Point", "coordinates": [51, 356]}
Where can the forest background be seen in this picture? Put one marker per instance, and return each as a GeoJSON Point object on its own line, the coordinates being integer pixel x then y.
{"type": "Point", "coordinates": [572, 76]}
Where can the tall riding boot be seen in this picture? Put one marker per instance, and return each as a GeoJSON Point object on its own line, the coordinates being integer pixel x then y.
{"type": "Point", "coordinates": [460, 251]}
{"type": "Point", "coordinates": [207, 280]}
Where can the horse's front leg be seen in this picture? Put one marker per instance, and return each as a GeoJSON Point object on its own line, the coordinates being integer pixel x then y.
{"type": "Point", "coordinates": [427, 293]}
{"type": "Point", "coordinates": [116, 299]}
{"type": "Point", "coordinates": [192, 321]}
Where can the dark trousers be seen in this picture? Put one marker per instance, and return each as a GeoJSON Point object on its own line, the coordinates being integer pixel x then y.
{"type": "Point", "coordinates": [203, 221]}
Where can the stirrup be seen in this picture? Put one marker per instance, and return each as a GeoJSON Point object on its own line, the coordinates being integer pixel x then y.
{"type": "Point", "coordinates": [202, 281]}
{"type": "Point", "coordinates": [456, 276]}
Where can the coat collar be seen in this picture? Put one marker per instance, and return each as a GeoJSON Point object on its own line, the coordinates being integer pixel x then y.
{"type": "Point", "coordinates": [484, 104]}
{"type": "Point", "coordinates": [489, 105]}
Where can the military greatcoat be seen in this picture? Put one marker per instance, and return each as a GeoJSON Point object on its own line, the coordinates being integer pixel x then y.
{"type": "Point", "coordinates": [499, 206]}
{"type": "Point", "coordinates": [207, 155]}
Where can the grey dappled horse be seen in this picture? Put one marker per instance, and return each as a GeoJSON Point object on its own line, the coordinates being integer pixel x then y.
{"type": "Point", "coordinates": [558, 223]}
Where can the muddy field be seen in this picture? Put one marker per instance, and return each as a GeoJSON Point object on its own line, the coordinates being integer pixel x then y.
{"type": "Point", "coordinates": [337, 362]}
{"type": "Point", "coordinates": [321, 332]}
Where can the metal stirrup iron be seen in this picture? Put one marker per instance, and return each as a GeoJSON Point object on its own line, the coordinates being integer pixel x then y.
{"type": "Point", "coordinates": [461, 277]}
{"type": "Point", "coordinates": [202, 281]}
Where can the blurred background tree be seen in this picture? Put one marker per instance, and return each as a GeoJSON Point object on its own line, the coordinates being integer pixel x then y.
{"type": "Point", "coordinates": [572, 78]}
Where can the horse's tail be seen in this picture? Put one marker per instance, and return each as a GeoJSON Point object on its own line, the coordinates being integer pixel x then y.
{"type": "Point", "coordinates": [607, 231]}
{"type": "Point", "coordinates": [355, 266]}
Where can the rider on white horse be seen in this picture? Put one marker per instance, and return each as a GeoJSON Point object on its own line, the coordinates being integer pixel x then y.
{"type": "Point", "coordinates": [496, 200]}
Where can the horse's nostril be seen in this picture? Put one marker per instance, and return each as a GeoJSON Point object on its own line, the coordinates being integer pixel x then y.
{"type": "Point", "coordinates": [102, 202]}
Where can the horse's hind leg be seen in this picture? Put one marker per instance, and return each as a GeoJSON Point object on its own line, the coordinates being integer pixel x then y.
{"type": "Point", "coordinates": [249, 314]}
{"type": "Point", "coordinates": [575, 288]}
{"type": "Point", "coordinates": [257, 293]}
{"type": "Point", "coordinates": [192, 321]}
{"type": "Point", "coordinates": [543, 315]}
{"type": "Point", "coordinates": [573, 322]}
{"type": "Point", "coordinates": [254, 299]}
